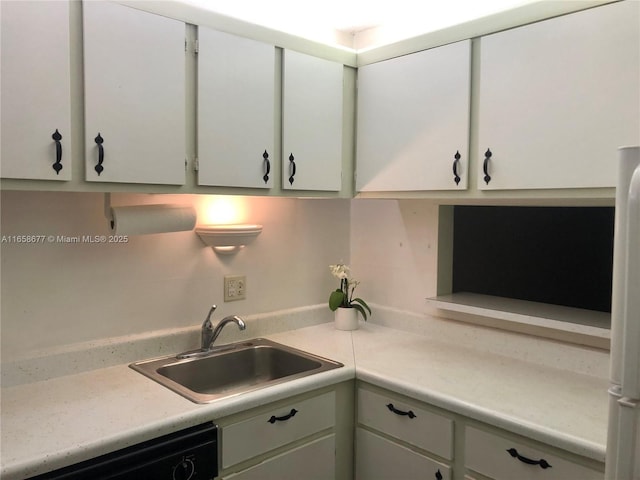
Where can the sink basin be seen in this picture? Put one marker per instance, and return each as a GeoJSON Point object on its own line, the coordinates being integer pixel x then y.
{"type": "Point", "coordinates": [233, 369]}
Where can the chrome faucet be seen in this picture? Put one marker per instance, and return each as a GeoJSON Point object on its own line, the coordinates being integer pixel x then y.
{"type": "Point", "coordinates": [209, 333]}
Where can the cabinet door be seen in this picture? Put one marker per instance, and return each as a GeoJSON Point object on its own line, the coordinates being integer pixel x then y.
{"type": "Point", "coordinates": [236, 95]}
{"type": "Point", "coordinates": [413, 121]}
{"type": "Point", "coordinates": [380, 459]}
{"type": "Point", "coordinates": [557, 98]}
{"type": "Point", "coordinates": [312, 123]}
{"type": "Point", "coordinates": [134, 67]}
{"type": "Point", "coordinates": [313, 461]}
{"type": "Point", "coordinates": [35, 90]}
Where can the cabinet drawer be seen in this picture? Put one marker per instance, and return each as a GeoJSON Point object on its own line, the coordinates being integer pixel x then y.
{"type": "Point", "coordinates": [379, 458]}
{"type": "Point", "coordinates": [312, 461]}
{"type": "Point", "coordinates": [420, 427]}
{"type": "Point", "coordinates": [488, 454]}
{"type": "Point", "coordinates": [277, 427]}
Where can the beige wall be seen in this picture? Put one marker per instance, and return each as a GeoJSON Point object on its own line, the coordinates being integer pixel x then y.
{"type": "Point", "coordinates": [56, 294]}
{"type": "Point", "coordinates": [394, 251]}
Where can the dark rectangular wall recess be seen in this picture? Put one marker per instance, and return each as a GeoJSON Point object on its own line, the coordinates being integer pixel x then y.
{"type": "Point", "coordinates": [556, 255]}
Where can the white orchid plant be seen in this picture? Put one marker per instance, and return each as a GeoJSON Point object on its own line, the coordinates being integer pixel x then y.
{"type": "Point", "coordinates": [343, 296]}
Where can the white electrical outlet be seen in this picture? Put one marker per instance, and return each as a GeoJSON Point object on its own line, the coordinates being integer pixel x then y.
{"type": "Point", "coordinates": [235, 287]}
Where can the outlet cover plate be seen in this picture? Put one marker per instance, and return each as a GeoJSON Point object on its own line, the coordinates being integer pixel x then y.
{"type": "Point", "coordinates": [235, 287]}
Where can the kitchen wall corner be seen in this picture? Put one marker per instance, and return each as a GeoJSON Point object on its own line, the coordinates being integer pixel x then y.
{"type": "Point", "coordinates": [394, 251]}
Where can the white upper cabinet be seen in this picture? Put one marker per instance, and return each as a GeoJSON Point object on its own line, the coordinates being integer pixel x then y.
{"type": "Point", "coordinates": [36, 119]}
{"type": "Point", "coordinates": [557, 98]}
{"type": "Point", "coordinates": [312, 123]}
{"type": "Point", "coordinates": [236, 109]}
{"type": "Point", "coordinates": [134, 73]}
{"type": "Point", "coordinates": [413, 121]}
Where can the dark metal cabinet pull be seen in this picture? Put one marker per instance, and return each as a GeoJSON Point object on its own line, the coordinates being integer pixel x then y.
{"type": "Point", "coordinates": [485, 166]}
{"type": "Point", "coordinates": [393, 409]}
{"type": "Point", "coordinates": [292, 168]}
{"type": "Point", "coordinates": [275, 419]}
{"type": "Point", "coordinates": [57, 166]}
{"type": "Point", "coordinates": [456, 177]}
{"type": "Point", "coordinates": [99, 141]}
{"type": "Point", "coordinates": [267, 166]}
{"type": "Point", "coordinates": [542, 462]}
{"type": "Point", "coordinates": [438, 475]}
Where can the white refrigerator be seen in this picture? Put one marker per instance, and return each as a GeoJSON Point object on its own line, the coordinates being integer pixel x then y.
{"type": "Point", "coordinates": [623, 439]}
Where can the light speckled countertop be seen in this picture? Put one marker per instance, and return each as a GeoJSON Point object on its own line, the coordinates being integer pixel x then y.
{"type": "Point", "coordinates": [52, 423]}
{"type": "Point", "coordinates": [558, 407]}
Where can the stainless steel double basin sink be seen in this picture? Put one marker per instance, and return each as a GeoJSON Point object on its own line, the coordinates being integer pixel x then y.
{"type": "Point", "coordinates": [232, 369]}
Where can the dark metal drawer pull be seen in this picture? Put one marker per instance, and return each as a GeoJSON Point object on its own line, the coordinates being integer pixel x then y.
{"type": "Point", "coordinates": [542, 462]}
{"type": "Point", "coordinates": [267, 166]}
{"type": "Point", "coordinates": [438, 475]}
{"type": "Point", "coordinates": [409, 414]}
{"type": "Point", "coordinates": [57, 166]}
{"type": "Point", "coordinates": [485, 166]}
{"type": "Point", "coordinates": [99, 141]}
{"type": "Point", "coordinates": [292, 168]}
{"type": "Point", "coordinates": [456, 177]}
{"type": "Point", "coordinates": [275, 419]}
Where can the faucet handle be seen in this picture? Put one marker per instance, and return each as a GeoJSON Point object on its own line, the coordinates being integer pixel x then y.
{"type": "Point", "coordinates": [207, 323]}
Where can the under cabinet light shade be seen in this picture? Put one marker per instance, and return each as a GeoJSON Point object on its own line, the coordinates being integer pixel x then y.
{"type": "Point", "coordinates": [228, 239]}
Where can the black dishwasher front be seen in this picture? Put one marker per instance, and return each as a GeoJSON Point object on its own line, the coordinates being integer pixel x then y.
{"type": "Point", "coordinates": [190, 454]}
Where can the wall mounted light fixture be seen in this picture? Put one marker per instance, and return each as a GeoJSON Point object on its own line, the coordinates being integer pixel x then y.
{"type": "Point", "coordinates": [228, 239]}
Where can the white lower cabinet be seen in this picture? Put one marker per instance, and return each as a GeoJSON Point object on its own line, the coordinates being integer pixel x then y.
{"type": "Point", "coordinates": [312, 461]}
{"type": "Point", "coordinates": [406, 421]}
{"type": "Point", "coordinates": [501, 458]}
{"type": "Point", "coordinates": [380, 459]}
{"type": "Point", "coordinates": [277, 427]}
{"type": "Point", "coordinates": [309, 436]}
{"type": "Point", "coordinates": [400, 439]}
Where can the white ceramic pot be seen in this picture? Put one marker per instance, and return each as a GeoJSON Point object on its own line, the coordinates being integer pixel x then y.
{"type": "Point", "coordinates": [346, 318]}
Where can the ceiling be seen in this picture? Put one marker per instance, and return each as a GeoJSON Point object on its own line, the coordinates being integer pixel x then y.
{"type": "Point", "coordinates": [357, 24]}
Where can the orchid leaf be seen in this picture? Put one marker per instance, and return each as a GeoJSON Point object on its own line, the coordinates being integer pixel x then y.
{"type": "Point", "coordinates": [364, 304]}
{"type": "Point", "coordinates": [360, 309]}
{"type": "Point", "coordinates": [335, 299]}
